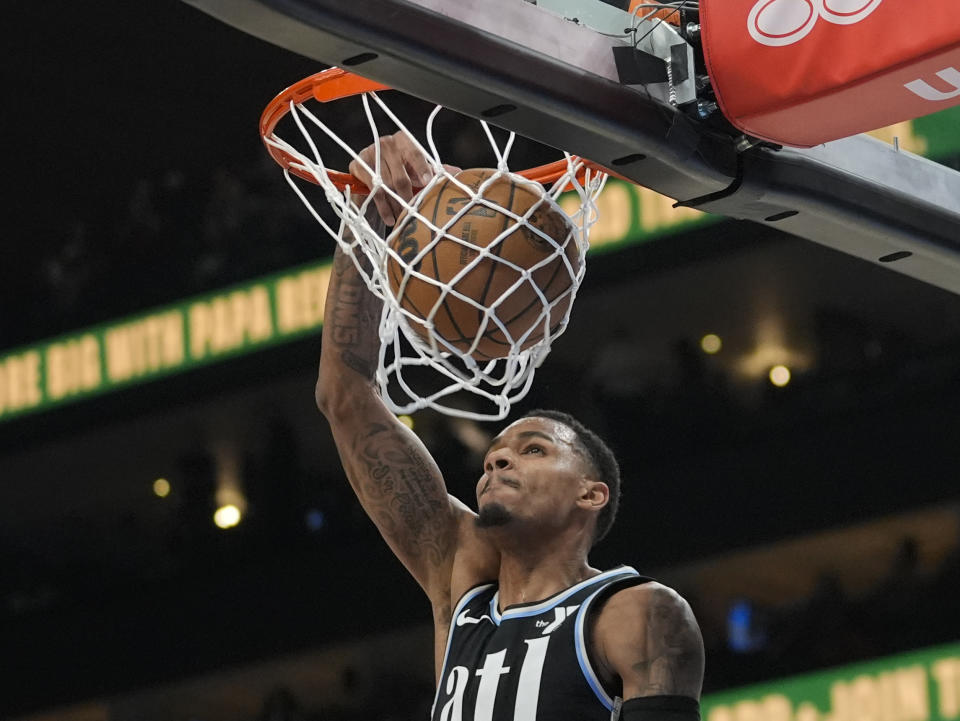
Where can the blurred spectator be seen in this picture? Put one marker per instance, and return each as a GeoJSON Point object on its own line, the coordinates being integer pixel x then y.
{"type": "Point", "coordinates": [281, 705]}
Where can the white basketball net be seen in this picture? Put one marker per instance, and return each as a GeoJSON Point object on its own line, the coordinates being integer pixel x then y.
{"type": "Point", "coordinates": [409, 341]}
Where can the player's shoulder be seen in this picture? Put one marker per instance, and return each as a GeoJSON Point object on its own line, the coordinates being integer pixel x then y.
{"type": "Point", "coordinates": [476, 560]}
{"type": "Point", "coordinates": [647, 636]}
{"type": "Point", "coordinates": [641, 606]}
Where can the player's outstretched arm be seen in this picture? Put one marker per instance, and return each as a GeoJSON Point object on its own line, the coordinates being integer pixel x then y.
{"type": "Point", "coordinates": [392, 473]}
{"type": "Point", "coordinates": [647, 637]}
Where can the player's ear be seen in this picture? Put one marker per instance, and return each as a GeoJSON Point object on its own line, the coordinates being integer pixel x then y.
{"type": "Point", "coordinates": [594, 494]}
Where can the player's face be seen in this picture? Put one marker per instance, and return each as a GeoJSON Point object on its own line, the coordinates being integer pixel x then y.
{"type": "Point", "coordinates": [534, 470]}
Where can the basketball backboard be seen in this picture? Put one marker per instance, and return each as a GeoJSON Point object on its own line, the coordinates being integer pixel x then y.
{"type": "Point", "coordinates": [595, 80]}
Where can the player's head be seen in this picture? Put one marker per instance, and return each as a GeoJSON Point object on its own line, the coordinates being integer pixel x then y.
{"type": "Point", "coordinates": [550, 465]}
{"type": "Point", "coordinates": [602, 461]}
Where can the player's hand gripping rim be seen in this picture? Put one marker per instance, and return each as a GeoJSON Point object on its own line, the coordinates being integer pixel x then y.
{"type": "Point", "coordinates": [403, 168]}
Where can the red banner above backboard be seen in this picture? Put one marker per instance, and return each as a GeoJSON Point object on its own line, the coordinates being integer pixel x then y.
{"type": "Point", "coordinates": [803, 72]}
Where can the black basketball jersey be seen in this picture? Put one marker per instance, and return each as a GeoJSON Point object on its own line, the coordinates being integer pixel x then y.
{"type": "Point", "coordinates": [528, 662]}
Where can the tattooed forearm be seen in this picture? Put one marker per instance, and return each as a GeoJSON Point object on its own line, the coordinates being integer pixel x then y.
{"type": "Point", "coordinates": [352, 318]}
{"type": "Point", "coordinates": [391, 471]}
{"type": "Point", "coordinates": [672, 660]}
{"type": "Point", "coordinates": [402, 493]}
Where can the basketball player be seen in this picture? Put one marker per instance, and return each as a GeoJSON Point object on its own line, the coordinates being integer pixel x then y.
{"type": "Point", "coordinates": [525, 628]}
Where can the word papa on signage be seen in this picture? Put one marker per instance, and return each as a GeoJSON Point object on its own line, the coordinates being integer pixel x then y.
{"type": "Point", "coordinates": [176, 338]}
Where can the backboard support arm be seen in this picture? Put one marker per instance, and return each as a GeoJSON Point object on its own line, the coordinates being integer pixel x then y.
{"type": "Point", "coordinates": [547, 77]}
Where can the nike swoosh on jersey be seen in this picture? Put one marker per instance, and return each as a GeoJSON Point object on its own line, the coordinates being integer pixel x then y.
{"type": "Point", "coordinates": [463, 619]}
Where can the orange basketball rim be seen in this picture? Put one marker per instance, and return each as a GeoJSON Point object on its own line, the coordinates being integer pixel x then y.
{"type": "Point", "coordinates": [336, 84]}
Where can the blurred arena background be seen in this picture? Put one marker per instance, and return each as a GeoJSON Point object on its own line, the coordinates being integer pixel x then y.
{"type": "Point", "coordinates": [177, 539]}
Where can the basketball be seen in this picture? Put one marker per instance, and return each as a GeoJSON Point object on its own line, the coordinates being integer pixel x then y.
{"type": "Point", "coordinates": [447, 275]}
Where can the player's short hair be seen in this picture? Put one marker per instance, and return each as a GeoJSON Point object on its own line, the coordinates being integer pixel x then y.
{"type": "Point", "coordinates": [598, 455]}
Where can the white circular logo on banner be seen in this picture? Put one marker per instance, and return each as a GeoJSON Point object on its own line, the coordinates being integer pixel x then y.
{"type": "Point", "coordinates": [784, 22]}
{"type": "Point", "coordinates": [848, 12]}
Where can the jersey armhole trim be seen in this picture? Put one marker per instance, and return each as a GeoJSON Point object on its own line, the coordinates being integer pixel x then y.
{"type": "Point", "coordinates": [465, 599]}
{"type": "Point", "coordinates": [580, 635]}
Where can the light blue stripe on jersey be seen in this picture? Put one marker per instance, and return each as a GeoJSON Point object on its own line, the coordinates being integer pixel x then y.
{"type": "Point", "coordinates": [551, 602]}
{"type": "Point", "coordinates": [580, 642]}
{"type": "Point", "coordinates": [461, 604]}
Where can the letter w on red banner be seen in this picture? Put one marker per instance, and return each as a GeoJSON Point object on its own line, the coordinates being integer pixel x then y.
{"type": "Point", "coordinates": [803, 72]}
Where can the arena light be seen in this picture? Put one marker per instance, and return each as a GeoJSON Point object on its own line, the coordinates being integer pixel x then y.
{"type": "Point", "coordinates": [227, 516]}
{"type": "Point", "coordinates": [711, 343]}
{"type": "Point", "coordinates": [161, 488]}
{"type": "Point", "coordinates": [775, 343]}
{"type": "Point", "coordinates": [406, 420]}
{"type": "Point", "coordinates": [779, 376]}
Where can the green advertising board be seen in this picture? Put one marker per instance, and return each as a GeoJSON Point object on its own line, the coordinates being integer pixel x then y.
{"type": "Point", "coordinates": [917, 686]}
{"type": "Point", "coordinates": [171, 339]}
{"type": "Point", "coordinates": [277, 308]}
